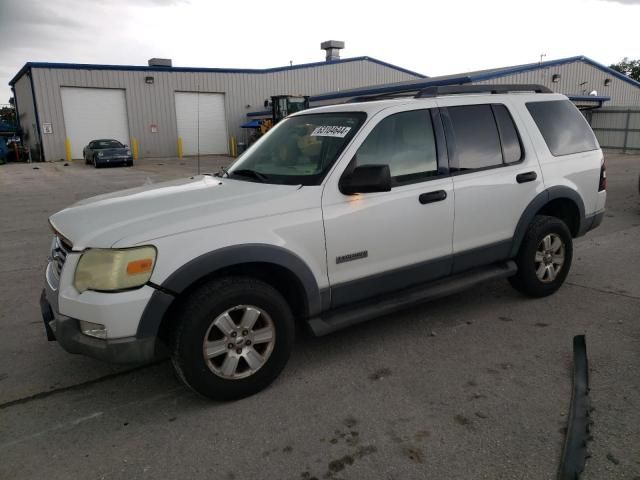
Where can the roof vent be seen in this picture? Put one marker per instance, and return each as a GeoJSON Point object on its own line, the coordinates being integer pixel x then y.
{"type": "Point", "coordinates": [333, 48]}
{"type": "Point", "coordinates": [159, 62]}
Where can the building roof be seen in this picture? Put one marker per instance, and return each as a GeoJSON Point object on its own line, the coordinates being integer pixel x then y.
{"type": "Point", "coordinates": [458, 79]}
{"type": "Point", "coordinates": [142, 68]}
{"type": "Point", "coordinates": [469, 77]}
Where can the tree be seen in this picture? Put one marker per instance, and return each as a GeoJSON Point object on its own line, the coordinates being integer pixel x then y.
{"type": "Point", "coordinates": [8, 114]}
{"type": "Point", "coordinates": [630, 68]}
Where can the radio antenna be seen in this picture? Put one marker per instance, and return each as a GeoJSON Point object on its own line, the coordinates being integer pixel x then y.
{"type": "Point", "coordinates": [198, 124]}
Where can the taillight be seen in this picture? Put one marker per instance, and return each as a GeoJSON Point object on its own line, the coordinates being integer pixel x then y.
{"type": "Point", "coordinates": [602, 186]}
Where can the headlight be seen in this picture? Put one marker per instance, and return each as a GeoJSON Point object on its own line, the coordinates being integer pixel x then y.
{"type": "Point", "coordinates": [111, 269]}
{"type": "Point", "coordinates": [128, 152]}
{"type": "Point", "coordinates": [100, 154]}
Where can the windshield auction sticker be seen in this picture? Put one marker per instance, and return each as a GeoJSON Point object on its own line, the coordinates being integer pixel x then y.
{"type": "Point", "coordinates": [330, 131]}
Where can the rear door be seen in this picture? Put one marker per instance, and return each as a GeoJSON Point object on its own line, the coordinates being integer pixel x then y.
{"type": "Point", "coordinates": [495, 175]}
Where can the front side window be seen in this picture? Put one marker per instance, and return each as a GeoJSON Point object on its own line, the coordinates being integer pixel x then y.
{"type": "Point", "coordinates": [563, 127]}
{"type": "Point", "coordinates": [404, 141]}
{"type": "Point", "coordinates": [300, 150]}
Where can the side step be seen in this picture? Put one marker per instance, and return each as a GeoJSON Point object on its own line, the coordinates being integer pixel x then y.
{"type": "Point", "coordinates": [345, 317]}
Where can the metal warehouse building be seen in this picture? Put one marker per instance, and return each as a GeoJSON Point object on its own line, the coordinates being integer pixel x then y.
{"type": "Point", "coordinates": [64, 106]}
{"type": "Point", "coordinates": [608, 99]}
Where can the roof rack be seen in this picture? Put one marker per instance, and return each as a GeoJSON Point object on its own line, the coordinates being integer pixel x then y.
{"type": "Point", "coordinates": [380, 96]}
{"type": "Point", "coordinates": [462, 89]}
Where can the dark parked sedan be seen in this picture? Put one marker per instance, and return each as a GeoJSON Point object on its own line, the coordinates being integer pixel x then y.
{"type": "Point", "coordinates": [107, 152]}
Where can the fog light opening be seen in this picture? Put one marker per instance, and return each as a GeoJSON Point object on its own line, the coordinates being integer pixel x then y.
{"type": "Point", "coordinates": [95, 330]}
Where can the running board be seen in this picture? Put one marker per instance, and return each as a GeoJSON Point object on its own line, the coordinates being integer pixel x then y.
{"type": "Point", "coordinates": [345, 317]}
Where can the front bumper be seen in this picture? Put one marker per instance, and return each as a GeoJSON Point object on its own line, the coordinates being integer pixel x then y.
{"type": "Point", "coordinates": [117, 312]}
{"type": "Point", "coordinates": [67, 332]}
{"type": "Point", "coordinates": [114, 160]}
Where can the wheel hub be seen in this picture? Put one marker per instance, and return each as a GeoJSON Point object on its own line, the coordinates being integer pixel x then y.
{"type": "Point", "coordinates": [549, 258]}
{"type": "Point", "coordinates": [239, 342]}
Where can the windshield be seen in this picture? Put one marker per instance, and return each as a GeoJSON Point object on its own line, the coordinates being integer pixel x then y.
{"type": "Point", "coordinates": [300, 150]}
{"type": "Point", "coordinates": [107, 144]}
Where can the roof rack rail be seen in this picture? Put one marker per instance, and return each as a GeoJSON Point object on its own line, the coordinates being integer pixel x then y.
{"type": "Point", "coordinates": [380, 96]}
{"type": "Point", "coordinates": [462, 89]}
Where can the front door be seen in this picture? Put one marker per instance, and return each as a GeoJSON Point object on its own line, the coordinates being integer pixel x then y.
{"type": "Point", "coordinates": [382, 242]}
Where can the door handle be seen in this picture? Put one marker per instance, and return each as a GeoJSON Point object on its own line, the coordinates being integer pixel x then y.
{"type": "Point", "coordinates": [431, 197]}
{"type": "Point", "coordinates": [526, 177]}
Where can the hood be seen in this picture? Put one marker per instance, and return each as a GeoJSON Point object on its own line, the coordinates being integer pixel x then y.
{"type": "Point", "coordinates": [132, 216]}
{"type": "Point", "coordinates": [112, 152]}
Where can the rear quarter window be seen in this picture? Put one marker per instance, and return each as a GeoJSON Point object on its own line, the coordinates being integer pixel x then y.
{"type": "Point", "coordinates": [563, 127]}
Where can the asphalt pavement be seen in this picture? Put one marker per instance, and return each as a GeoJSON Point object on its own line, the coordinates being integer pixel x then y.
{"type": "Point", "coordinates": [473, 386]}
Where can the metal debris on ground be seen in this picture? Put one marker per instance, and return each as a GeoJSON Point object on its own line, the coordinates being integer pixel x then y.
{"type": "Point", "coordinates": [574, 452]}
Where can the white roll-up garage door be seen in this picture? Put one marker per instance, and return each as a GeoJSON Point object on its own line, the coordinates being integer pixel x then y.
{"type": "Point", "coordinates": [94, 113]}
{"type": "Point", "coordinates": [201, 123]}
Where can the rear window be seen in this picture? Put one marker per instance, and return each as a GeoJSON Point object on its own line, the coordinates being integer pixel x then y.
{"type": "Point", "coordinates": [563, 127]}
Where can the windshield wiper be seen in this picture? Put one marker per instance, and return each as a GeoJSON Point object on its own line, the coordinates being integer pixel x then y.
{"type": "Point", "coordinates": [222, 172]}
{"type": "Point", "coordinates": [246, 172]}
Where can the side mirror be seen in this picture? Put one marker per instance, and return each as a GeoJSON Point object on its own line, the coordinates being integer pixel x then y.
{"type": "Point", "coordinates": [366, 179]}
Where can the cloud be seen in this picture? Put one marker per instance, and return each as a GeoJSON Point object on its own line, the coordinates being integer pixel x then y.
{"type": "Point", "coordinates": [103, 31]}
{"type": "Point", "coordinates": [624, 2]}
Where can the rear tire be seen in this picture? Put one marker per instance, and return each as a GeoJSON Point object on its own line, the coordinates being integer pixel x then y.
{"type": "Point", "coordinates": [544, 258]}
{"type": "Point", "coordinates": [233, 337]}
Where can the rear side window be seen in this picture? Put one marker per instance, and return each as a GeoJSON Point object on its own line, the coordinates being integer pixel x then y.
{"type": "Point", "coordinates": [475, 136]}
{"type": "Point", "coordinates": [511, 146]}
{"type": "Point", "coordinates": [563, 127]}
{"type": "Point", "coordinates": [482, 136]}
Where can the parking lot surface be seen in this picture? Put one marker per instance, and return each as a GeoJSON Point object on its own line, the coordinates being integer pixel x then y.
{"type": "Point", "coordinates": [473, 386]}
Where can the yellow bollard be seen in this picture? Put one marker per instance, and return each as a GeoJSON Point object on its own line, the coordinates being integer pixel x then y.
{"type": "Point", "coordinates": [134, 147]}
{"type": "Point", "coordinates": [233, 146]}
{"type": "Point", "coordinates": [67, 144]}
{"type": "Point", "coordinates": [180, 148]}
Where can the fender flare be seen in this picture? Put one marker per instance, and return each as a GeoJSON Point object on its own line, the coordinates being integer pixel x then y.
{"type": "Point", "coordinates": [539, 201]}
{"type": "Point", "coordinates": [211, 262]}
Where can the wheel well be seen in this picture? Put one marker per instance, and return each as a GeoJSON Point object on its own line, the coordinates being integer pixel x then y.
{"type": "Point", "coordinates": [280, 278]}
{"type": "Point", "coordinates": [566, 210]}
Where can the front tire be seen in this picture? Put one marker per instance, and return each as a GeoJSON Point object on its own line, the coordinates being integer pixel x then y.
{"type": "Point", "coordinates": [544, 258]}
{"type": "Point", "coordinates": [233, 338]}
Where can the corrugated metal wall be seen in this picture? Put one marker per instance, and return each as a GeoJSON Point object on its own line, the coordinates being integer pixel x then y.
{"type": "Point", "coordinates": [155, 104]}
{"type": "Point", "coordinates": [616, 128]}
{"type": "Point", "coordinates": [578, 78]}
{"type": "Point", "coordinates": [27, 115]}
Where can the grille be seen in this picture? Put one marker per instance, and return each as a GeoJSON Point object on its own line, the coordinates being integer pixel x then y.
{"type": "Point", "coordinates": [59, 254]}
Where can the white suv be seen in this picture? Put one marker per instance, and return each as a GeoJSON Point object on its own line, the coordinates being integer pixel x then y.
{"type": "Point", "coordinates": [337, 215]}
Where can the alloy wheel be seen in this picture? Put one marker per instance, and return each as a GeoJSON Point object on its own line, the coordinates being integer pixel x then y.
{"type": "Point", "coordinates": [239, 342]}
{"type": "Point", "coordinates": [549, 257]}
